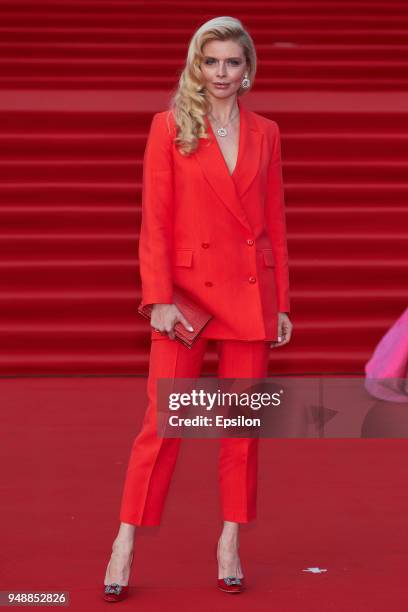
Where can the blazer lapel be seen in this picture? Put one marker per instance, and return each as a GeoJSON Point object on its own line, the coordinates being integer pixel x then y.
{"type": "Point", "coordinates": [230, 188]}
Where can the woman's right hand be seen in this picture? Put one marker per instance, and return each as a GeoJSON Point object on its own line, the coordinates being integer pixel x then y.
{"type": "Point", "coordinates": [165, 316]}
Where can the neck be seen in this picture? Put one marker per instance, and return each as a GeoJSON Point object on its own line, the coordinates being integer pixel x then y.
{"type": "Point", "coordinates": [223, 110]}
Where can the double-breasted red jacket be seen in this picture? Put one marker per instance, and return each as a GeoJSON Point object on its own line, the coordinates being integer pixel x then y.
{"type": "Point", "coordinates": [221, 237]}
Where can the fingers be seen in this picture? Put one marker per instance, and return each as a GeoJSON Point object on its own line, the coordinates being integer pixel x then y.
{"type": "Point", "coordinates": [162, 321]}
{"type": "Point", "coordinates": [284, 333]}
{"type": "Point", "coordinates": [168, 327]}
{"type": "Point", "coordinates": [186, 324]}
{"type": "Point", "coordinates": [279, 342]}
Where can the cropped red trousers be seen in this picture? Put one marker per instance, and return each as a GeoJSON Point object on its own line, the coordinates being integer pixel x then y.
{"type": "Point", "coordinates": [153, 459]}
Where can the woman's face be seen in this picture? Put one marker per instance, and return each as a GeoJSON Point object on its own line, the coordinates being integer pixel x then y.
{"type": "Point", "coordinates": [223, 62]}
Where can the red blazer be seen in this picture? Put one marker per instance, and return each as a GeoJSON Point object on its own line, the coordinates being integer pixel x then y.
{"type": "Point", "coordinates": [221, 237]}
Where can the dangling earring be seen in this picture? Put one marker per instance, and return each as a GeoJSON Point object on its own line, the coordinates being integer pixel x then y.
{"type": "Point", "coordinates": [245, 83]}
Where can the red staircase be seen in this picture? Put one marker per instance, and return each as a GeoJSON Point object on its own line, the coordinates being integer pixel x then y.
{"type": "Point", "coordinates": [79, 83]}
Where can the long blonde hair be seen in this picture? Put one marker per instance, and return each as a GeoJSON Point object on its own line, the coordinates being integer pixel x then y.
{"type": "Point", "coordinates": [190, 103]}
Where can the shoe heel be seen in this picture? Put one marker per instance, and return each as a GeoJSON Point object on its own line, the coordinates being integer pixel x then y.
{"type": "Point", "coordinates": [230, 584]}
{"type": "Point", "coordinates": [117, 592]}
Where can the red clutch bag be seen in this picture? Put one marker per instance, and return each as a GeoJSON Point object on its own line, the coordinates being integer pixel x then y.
{"type": "Point", "coordinates": [194, 313]}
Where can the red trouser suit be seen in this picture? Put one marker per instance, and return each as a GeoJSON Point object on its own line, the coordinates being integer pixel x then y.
{"type": "Point", "coordinates": [152, 459]}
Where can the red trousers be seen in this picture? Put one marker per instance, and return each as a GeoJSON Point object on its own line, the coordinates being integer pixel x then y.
{"type": "Point", "coordinates": [152, 458]}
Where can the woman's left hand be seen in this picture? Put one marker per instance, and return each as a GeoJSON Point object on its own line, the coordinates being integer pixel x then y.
{"type": "Point", "coordinates": [284, 330]}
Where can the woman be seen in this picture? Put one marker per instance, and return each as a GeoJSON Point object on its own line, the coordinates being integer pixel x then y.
{"type": "Point", "coordinates": [213, 223]}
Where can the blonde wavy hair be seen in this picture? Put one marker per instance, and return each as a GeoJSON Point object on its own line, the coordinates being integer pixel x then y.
{"type": "Point", "coordinates": [189, 103]}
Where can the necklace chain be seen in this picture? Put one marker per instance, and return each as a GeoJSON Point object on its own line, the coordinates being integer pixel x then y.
{"type": "Point", "coordinates": [222, 131]}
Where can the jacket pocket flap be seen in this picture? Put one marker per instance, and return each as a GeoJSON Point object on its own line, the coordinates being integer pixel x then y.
{"type": "Point", "coordinates": [269, 258]}
{"type": "Point", "coordinates": [183, 257]}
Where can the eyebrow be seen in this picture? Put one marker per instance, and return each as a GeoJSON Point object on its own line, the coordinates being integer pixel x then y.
{"type": "Point", "coordinates": [210, 57]}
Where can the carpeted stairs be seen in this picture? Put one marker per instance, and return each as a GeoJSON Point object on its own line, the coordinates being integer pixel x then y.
{"type": "Point", "coordinates": [78, 84]}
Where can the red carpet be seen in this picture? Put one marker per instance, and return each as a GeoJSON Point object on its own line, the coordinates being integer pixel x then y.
{"type": "Point", "coordinates": [333, 504]}
{"type": "Point", "coordinates": [79, 81]}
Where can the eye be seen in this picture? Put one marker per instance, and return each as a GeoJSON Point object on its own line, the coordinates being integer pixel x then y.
{"type": "Point", "coordinates": [209, 61]}
{"type": "Point", "coordinates": [235, 62]}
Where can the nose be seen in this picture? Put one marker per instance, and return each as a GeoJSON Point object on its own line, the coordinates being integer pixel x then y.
{"type": "Point", "coordinates": [221, 69]}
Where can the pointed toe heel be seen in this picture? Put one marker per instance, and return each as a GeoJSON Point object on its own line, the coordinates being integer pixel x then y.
{"type": "Point", "coordinates": [115, 592]}
{"type": "Point", "coordinates": [231, 584]}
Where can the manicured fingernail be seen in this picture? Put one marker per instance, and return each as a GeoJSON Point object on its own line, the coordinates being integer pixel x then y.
{"type": "Point", "coordinates": [191, 328]}
{"type": "Point", "coordinates": [279, 338]}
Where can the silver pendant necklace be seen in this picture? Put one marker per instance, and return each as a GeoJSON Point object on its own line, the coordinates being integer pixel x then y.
{"type": "Point", "coordinates": [222, 131]}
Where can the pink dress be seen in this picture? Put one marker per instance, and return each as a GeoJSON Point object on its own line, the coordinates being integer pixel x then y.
{"type": "Point", "coordinates": [387, 369]}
